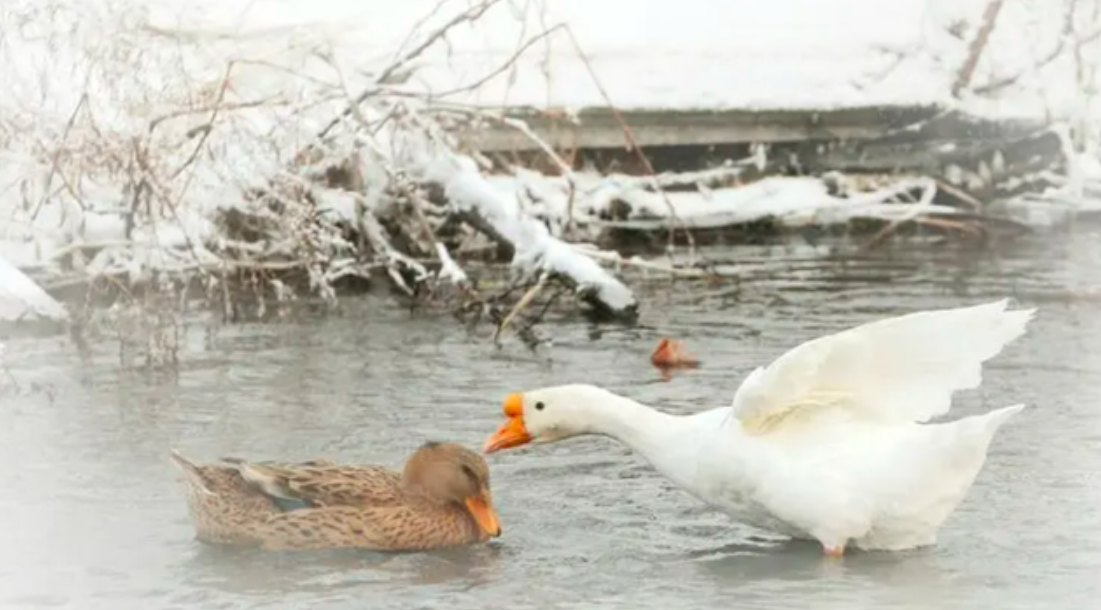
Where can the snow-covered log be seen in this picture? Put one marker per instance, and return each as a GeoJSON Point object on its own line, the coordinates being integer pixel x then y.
{"type": "Point", "coordinates": [620, 204]}
{"type": "Point", "coordinates": [22, 299]}
{"type": "Point", "coordinates": [536, 250]}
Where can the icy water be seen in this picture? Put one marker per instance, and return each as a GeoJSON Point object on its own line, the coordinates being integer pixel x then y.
{"type": "Point", "coordinates": [93, 517]}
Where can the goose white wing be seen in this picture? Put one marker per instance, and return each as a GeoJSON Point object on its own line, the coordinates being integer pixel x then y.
{"type": "Point", "coordinates": [902, 369]}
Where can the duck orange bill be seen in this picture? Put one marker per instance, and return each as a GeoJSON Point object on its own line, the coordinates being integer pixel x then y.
{"type": "Point", "coordinates": [512, 433]}
{"type": "Point", "coordinates": [484, 515]}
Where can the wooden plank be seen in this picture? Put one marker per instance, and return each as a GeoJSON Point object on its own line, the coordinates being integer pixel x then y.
{"type": "Point", "coordinates": [599, 128]}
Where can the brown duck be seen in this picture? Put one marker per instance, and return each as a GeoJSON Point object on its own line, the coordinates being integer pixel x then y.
{"type": "Point", "coordinates": [441, 498]}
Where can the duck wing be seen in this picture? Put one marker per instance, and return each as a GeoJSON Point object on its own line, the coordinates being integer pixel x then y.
{"type": "Point", "coordinates": [322, 483]}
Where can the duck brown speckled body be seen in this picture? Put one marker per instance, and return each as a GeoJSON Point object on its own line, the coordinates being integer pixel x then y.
{"type": "Point", "coordinates": [441, 498]}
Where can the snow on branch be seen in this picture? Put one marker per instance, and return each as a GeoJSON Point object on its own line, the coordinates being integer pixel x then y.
{"type": "Point", "coordinates": [215, 162]}
{"type": "Point", "coordinates": [790, 201]}
{"type": "Point", "coordinates": [536, 250]}
{"type": "Point", "coordinates": [21, 298]}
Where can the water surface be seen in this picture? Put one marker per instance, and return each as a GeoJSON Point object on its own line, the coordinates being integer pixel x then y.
{"type": "Point", "coordinates": [93, 516]}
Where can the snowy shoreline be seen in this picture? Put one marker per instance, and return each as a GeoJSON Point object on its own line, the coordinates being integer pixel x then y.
{"type": "Point", "coordinates": [132, 135]}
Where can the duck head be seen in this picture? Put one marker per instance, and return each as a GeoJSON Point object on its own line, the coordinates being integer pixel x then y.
{"type": "Point", "coordinates": [448, 473]}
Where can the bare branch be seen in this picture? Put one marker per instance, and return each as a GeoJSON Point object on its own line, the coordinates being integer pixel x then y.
{"type": "Point", "coordinates": [1055, 53]}
{"type": "Point", "coordinates": [468, 16]}
{"type": "Point", "coordinates": [633, 145]}
{"type": "Point", "coordinates": [505, 65]}
{"type": "Point", "coordinates": [967, 70]}
{"type": "Point", "coordinates": [57, 153]}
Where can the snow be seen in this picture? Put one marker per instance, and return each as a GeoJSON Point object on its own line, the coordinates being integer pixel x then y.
{"type": "Point", "coordinates": [449, 270]}
{"type": "Point", "coordinates": [22, 299]}
{"type": "Point", "coordinates": [100, 93]}
{"type": "Point", "coordinates": [537, 250]}
{"type": "Point", "coordinates": [777, 54]}
{"type": "Point", "coordinates": [791, 201]}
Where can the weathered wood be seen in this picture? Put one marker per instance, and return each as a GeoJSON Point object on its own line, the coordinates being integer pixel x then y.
{"type": "Point", "coordinates": [927, 140]}
{"type": "Point", "coordinates": [598, 128]}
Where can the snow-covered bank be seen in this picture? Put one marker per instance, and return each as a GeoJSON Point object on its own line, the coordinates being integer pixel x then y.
{"type": "Point", "coordinates": [137, 131]}
{"type": "Point", "coordinates": [166, 147]}
{"type": "Point", "coordinates": [687, 54]}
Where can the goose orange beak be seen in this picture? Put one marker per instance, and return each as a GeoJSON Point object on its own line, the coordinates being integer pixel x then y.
{"type": "Point", "coordinates": [484, 514]}
{"type": "Point", "coordinates": [513, 432]}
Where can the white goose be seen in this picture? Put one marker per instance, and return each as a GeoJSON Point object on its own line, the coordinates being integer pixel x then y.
{"type": "Point", "coordinates": [826, 443]}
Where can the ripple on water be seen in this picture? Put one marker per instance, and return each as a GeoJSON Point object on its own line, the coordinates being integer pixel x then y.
{"type": "Point", "coordinates": [95, 518]}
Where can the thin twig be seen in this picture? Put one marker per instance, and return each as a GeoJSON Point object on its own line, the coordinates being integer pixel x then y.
{"type": "Point", "coordinates": [960, 194]}
{"type": "Point", "coordinates": [468, 16]}
{"type": "Point", "coordinates": [410, 189]}
{"type": "Point", "coordinates": [416, 27]}
{"type": "Point", "coordinates": [982, 36]}
{"type": "Point", "coordinates": [634, 261]}
{"type": "Point", "coordinates": [208, 126]}
{"type": "Point", "coordinates": [54, 158]}
{"type": "Point", "coordinates": [634, 147]}
{"type": "Point", "coordinates": [501, 68]}
{"type": "Point", "coordinates": [154, 186]}
{"type": "Point", "coordinates": [944, 223]}
{"type": "Point", "coordinates": [67, 185]}
{"type": "Point", "coordinates": [519, 306]}
{"type": "Point", "coordinates": [914, 212]}
{"type": "Point", "coordinates": [216, 107]}
{"type": "Point", "coordinates": [1055, 53]}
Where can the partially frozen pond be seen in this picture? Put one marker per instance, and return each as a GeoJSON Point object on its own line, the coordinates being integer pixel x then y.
{"type": "Point", "coordinates": [93, 516]}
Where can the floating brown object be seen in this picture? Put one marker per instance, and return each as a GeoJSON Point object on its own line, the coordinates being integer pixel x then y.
{"type": "Point", "coordinates": [670, 353]}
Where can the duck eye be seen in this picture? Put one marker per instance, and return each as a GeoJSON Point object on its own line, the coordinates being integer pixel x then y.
{"type": "Point", "coordinates": [469, 472]}
{"type": "Point", "coordinates": [539, 406]}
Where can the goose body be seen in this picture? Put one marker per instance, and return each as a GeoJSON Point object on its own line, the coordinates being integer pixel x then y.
{"type": "Point", "coordinates": [830, 442]}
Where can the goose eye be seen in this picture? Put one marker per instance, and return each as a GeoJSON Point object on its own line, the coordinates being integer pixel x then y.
{"type": "Point", "coordinates": [539, 406]}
